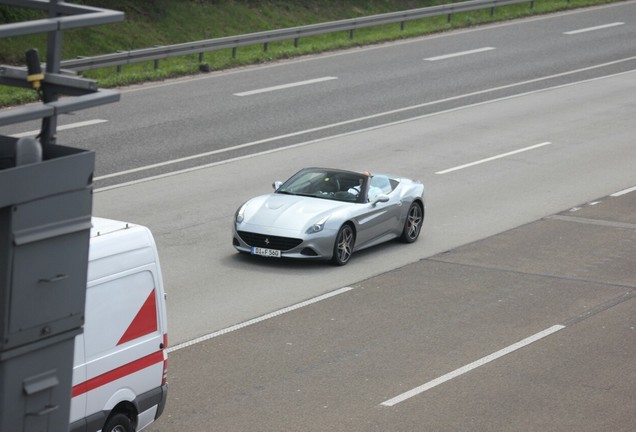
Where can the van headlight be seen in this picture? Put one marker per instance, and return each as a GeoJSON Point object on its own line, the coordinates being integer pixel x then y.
{"type": "Point", "coordinates": [318, 226]}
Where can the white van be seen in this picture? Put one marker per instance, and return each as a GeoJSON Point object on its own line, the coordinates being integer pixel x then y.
{"type": "Point", "coordinates": [119, 373]}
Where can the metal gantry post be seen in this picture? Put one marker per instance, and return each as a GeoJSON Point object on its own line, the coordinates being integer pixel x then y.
{"type": "Point", "coordinates": [53, 60]}
{"type": "Point", "coordinates": [45, 220]}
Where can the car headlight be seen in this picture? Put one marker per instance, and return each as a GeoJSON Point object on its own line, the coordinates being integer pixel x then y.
{"type": "Point", "coordinates": [318, 226]}
{"type": "Point", "coordinates": [240, 214]}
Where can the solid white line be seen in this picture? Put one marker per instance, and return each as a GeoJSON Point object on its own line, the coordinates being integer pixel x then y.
{"type": "Point", "coordinates": [623, 192]}
{"type": "Point", "coordinates": [458, 54]}
{"type": "Point", "coordinates": [493, 158]}
{"type": "Point", "coordinates": [589, 29]}
{"type": "Point", "coordinates": [285, 86]}
{"type": "Point", "coordinates": [457, 372]}
{"type": "Point", "coordinates": [63, 127]}
{"type": "Point", "coordinates": [260, 319]}
{"type": "Point", "coordinates": [355, 120]}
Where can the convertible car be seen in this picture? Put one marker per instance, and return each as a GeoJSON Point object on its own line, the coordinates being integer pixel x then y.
{"type": "Point", "coordinates": [329, 214]}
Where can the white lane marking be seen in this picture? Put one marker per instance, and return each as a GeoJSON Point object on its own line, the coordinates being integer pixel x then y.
{"type": "Point", "coordinates": [260, 319]}
{"type": "Point", "coordinates": [589, 29]}
{"type": "Point", "coordinates": [458, 54]}
{"type": "Point", "coordinates": [462, 370]}
{"type": "Point", "coordinates": [503, 155]}
{"type": "Point", "coordinates": [623, 192]}
{"type": "Point", "coordinates": [285, 86]}
{"type": "Point", "coordinates": [357, 120]}
{"type": "Point", "coordinates": [62, 127]}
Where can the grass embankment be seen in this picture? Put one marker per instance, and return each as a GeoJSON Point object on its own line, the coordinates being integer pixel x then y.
{"type": "Point", "coordinates": [164, 22]}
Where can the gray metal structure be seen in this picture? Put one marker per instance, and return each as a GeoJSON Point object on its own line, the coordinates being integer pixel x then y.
{"type": "Point", "coordinates": [295, 33]}
{"type": "Point", "coordinates": [45, 219]}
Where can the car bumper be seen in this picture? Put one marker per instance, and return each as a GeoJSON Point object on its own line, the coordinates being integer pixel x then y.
{"type": "Point", "coordinates": [312, 246]}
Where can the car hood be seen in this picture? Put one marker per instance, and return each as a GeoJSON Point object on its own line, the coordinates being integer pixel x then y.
{"type": "Point", "coordinates": [289, 211]}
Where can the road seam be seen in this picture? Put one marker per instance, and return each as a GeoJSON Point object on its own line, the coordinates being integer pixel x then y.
{"type": "Point", "coordinates": [598, 222]}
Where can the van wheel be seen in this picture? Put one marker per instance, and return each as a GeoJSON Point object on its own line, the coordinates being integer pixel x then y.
{"type": "Point", "coordinates": [118, 423]}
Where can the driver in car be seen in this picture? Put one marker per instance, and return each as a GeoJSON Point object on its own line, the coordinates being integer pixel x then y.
{"type": "Point", "coordinates": [373, 190]}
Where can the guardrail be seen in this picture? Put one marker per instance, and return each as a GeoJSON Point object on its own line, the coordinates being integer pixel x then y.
{"type": "Point", "coordinates": [234, 42]}
{"type": "Point", "coordinates": [85, 93]}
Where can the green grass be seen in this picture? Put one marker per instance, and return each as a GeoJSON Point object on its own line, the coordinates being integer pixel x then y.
{"type": "Point", "coordinates": [166, 22]}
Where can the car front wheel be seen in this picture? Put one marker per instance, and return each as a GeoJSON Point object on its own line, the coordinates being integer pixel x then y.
{"type": "Point", "coordinates": [343, 247]}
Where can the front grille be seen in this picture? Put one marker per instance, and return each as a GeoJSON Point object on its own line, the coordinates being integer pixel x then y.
{"type": "Point", "coordinates": [269, 242]}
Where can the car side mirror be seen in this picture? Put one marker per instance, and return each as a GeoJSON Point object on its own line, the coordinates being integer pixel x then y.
{"type": "Point", "coordinates": [380, 199]}
{"type": "Point", "coordinates": [277, 184]}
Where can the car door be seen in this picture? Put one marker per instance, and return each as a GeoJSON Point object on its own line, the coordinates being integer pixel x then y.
{"type": "Point", "coordinates": [378, 218]}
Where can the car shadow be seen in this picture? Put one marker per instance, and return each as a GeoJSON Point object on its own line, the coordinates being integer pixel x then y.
{"type": "Point", "coordinates": [240, 259]}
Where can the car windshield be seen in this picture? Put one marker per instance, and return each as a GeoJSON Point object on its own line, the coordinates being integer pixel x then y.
{"type": "Point", "coordinates": [335, 185]}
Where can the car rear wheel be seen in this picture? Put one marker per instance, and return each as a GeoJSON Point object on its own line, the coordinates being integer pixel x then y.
{"type": "Point", "coordinates": [413, 223]}
{"type": "Point", "coordinates": [343, 247]}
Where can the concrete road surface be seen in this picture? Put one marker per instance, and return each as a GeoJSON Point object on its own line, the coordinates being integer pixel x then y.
{"type": "Point", "coordinates": [566, 282]}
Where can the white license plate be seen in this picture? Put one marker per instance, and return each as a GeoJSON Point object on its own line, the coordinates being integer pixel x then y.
{"type": "Point", "coordinates": [272, 253]}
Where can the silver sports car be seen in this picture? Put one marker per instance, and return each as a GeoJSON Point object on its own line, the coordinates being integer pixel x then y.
{"type": "Point", "coordinates": [329, 214]}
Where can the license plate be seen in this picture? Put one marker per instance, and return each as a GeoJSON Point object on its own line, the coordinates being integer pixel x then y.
{"type": "Point", "coordinates": [271, 253]}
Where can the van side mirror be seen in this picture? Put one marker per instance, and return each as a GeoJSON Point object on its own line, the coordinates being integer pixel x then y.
{"type": "Point", "coordinates": [277, 184]}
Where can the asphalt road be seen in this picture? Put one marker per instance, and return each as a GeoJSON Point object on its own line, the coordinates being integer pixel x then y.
{"type": "Point", "coordinates": [450, 309]}
{"type": "Point", "coordinates": [211, 287]}
{"type": "Point", "coordinates": [518, 309]}
{"type": "Point", "coordinates": [502, 316]}
{"type": "Point", "coordinates": [183, 123]}
{"type": "Point", "coordinates": [533, 329]}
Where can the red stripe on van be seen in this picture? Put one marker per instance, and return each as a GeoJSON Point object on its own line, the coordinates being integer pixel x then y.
{"type": "Point", "coordinates": [145, 322]}
{"type": "Point", "coordinates": [120, 372]}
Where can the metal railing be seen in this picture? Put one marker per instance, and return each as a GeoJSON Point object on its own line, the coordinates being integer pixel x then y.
{"type": "Point", "coordinates": [54, 82]}
{"type": "Point", "coordinates": [234, 42]}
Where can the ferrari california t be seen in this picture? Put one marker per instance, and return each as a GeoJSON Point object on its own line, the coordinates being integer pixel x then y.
{"type": "Point", "coordinates": [328, 214]}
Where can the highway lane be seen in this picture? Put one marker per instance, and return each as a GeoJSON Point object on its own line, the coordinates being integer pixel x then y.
{"type": "Point", "coordinates": [529, 330]}
{"type": "Point", "coordinates": [206, 117]}
{"type": "Point", "coordinates": [525, 321]}
{"type": "Point", "coordinates": [589, 127]}
{"type": "Point", "coordinates": [479, 183]}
